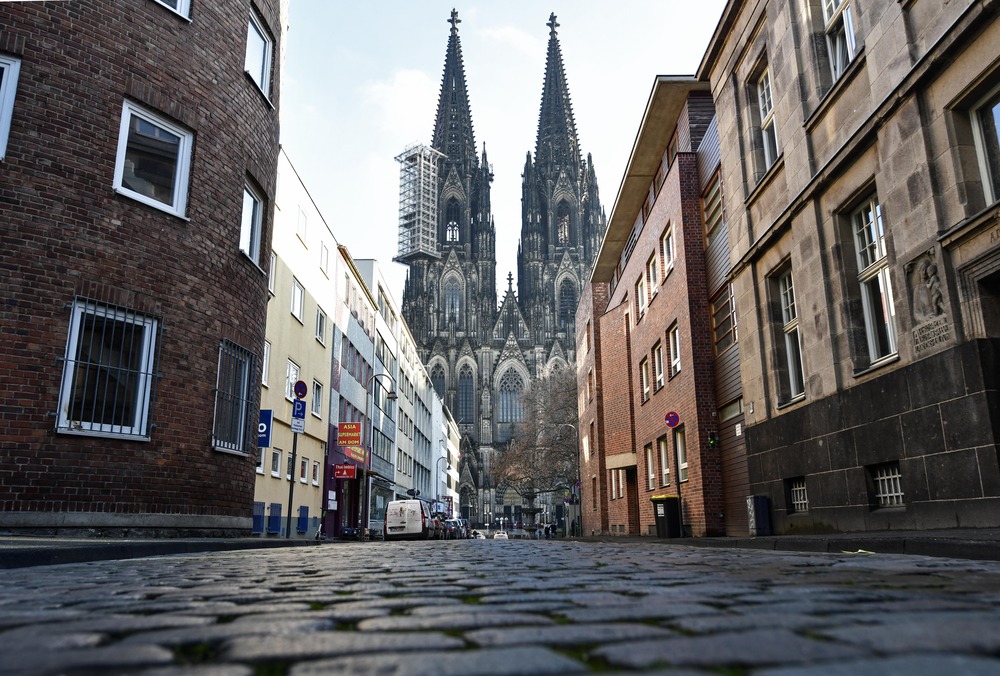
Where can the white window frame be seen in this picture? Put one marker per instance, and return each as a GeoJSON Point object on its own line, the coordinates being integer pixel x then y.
{"type": "Point", "coordinates": [790, 329]}
{"type": "Point", "coordinates": [178, 205]}
{"type": "Point", "coordinates": [181, 7]}
{"type": "Point", "coordinates": [680, 448]}
{"type": "Point", "coordinates": [317, 399]}
{"type": "Point", "coordinates": [321, 322]}
{"type": "Point", "coordinates": [641, 297]}
{"type": "Point", "coordinates": [650, 469]}
{"type": "Point", "coordinates": [260, 460]}
{"type": "Point", "coordinates": [78, 371]}
{"type": "Point", "coordinates": [614, 484]}
{"type": "Point", "coordinates": [298, 299]}
{"type": "Point", "coordinates": [302, 225]}
{"type": "Point", "coordinates": [304, 470]}
{"type": "Point", "coordinates": [292, 371]}
{"type": "Point", "coordinates": [874, 280]}
{"type": "Point", "coordinates": [272, 272]}
{"type": "Point", "coordinates": [251, 224]}
{"type": "Point", "coordinates": [768, 132]}
{"type": "Point", "coordinates": [267, 363]}
{"type": "Point", "coordinates": [667, 251]}
{"type": "Point", "coordinates": [658, 366]}
{"type": "Point", "coordinates": [276, 463]}
{"type": "Point", "coordinates": [989, 158]}
{"type": "Point", "coordinates": [644, 378]}
{"type": "Point", "coordinates": [652, 274]}
{"type": "Point", "coordinates": [664, 451]}
{"type": "Point", "coordinates": [9, 71]}
{"type": "Point", "coordinates": [324, 258]}
{"type": "Point", "coordinates": [315, 473]}
{"type": "Point", "coordinates": [258, 67]}
{"type": "Point", "coordinates": [674, 343]}
{"type": "Point", "coordinates": [839, 29]}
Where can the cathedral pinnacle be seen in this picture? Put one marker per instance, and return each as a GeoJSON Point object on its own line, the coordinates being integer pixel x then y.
{"type": "Point", "coordinates": [454, 20]}
{"type": "Point", "coordinates": [552, 24]}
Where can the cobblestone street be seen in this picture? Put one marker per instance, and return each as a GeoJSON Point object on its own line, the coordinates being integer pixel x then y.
{"type": "Point", "coordinates": [511, 607]}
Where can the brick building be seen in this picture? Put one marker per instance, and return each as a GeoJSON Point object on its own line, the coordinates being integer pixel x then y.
{"type": "Point", "coordinates": [659, 386]}
{"type": "Point", "coordinates": [139, 141]}
{"type": "Point", "coordinates": [862, 184]}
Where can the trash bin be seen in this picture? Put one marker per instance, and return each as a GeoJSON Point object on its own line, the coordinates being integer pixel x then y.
{"type": "Point", "coordinates": [667, 511]}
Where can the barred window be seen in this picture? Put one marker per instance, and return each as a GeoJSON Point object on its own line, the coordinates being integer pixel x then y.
{"type": "Point", "coordinates": [888, 487]}
{"type": "Point", "coordinates": [108, 376]}
{"type": "Point", "coordinates": [799, 498]}
{"type": "Point", "coordinates": [234, 401]}
{"type": "Point", "coordinates": [724, 319]}
{"type": "Point", "coordinates": [712, 211]}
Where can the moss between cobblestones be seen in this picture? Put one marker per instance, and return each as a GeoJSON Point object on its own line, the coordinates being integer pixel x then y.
{"type": "Point", "coordinates": [195, 653]}
{"type": "Point", "coordinates": [581, 653]}
{"type": "Point", "coordinates": [472, 600]}
{"type": "Point", "coordinates": [226, 619]}
{"type": "Point", "coordinates": [272, 668]}
{"type": "Point", "coordinates": [316, 605]}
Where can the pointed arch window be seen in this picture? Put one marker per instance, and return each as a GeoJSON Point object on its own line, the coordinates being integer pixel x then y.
{"type": "Point", "coordinates": [562, 223]}
{"type": "Point", "coordinates": [567, 305]}
{"type": "Point", "coordinates": [465, 394]}
{"type": "Point", "coordinates": [452, 215]}
{"type": "Point", "coordinates": [509, 391]}
{"type": "Point", "coordinates": [437, 380]}
{"type": "Point", "coordinates": [453, 302]}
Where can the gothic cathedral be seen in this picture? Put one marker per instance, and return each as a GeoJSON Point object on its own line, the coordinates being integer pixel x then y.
{"type": "Point", "coordinates": [483, 356]}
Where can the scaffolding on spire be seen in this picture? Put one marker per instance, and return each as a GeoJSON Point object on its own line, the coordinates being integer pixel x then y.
{"type": "Point", "coordinates": [418, 208]}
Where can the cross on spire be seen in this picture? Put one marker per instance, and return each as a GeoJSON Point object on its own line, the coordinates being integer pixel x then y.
{"type": "Point", "coordinates": [454, 20]}
{"type": "Point", "coordinates": [510, 281]}
{"type": "Point", "coordinates": [552, 24]}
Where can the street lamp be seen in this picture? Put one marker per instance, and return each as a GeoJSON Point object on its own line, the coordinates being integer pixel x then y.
{"type": "Point", "coordinates": [365, 490]}
{"type": "Point", "coordinates": [574, 494]}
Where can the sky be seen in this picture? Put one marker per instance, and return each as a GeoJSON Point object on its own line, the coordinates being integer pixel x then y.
{"type": "Point", "coordinates": [361, 83]}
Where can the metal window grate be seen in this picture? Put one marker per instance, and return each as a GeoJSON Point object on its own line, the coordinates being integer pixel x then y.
{"type": "Point", "coordinates": [888, 489]}
{"type": "Point", "coordinates": [234, 399]}
{"type": "Point", "coordinates": [800, 499]}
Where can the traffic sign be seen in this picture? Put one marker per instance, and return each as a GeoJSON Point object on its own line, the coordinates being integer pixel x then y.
{"type": "Point", "coordinates": [298, 425]}
{"type": "Point", "coordinates": [300, 389]}
{"type": "Point", "coordinates": [672, 419]}
{"type": "Point", "coordinates": [264, 428]}
{"type": "Point", "coordinates": [299, 409]}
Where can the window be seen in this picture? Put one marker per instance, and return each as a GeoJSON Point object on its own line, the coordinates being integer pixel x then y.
{"type": "Point", "coordinates": [888, 487]}
{"type": "Point", "coordinates": [315, 474]}
{"type": "Point", "coordinates": [765, 105]}
{"type": "Point", "coordinates": [290, 468]}
{"type": "Point", "coordinates": [250, 227]}
{"type": "Point", "coordinates": [291, 377]}
{"type": "Point", "coordinates": [234, 400]}
{"type": "Point", "coordinates": [586, 448]}
{"type": "Point", "coordinates": [652, 275]}
{"type": "Point", "coordinates": [453, 302]}
{"type": "Point", "coordinates": [650, 468]}
{"type": "Point", "coordinates": [680, 446]}
{"type": "Point", "coordinates": [657, 365]}
{"type": "Point", "coordinates": [798, 498]}
{"type": "Point", "coordinates": [674, 345]}
{"type": "Point", "coordinates": [153, 162]}
{"type": "Point", "coordinates": [986, 130]}
{"type": "Point", "coordinates": [661, 445]}
{"type": "Point", "coordinates": [108, 375]}
{"type": "Point", "coordinates": [667, 251]}
{"type": "Point", "coordinates": [874, 280]}
{"type": "Point", "coordinates": [590, 385]}
{"type": "Point", "coordinates": [298, 299]}
{"type": "Point", "coordinates": [267, 363]}
{"type": "Point", "coordinates": [465, 394]}
{"type": "Point", "coordinates": [324, 258]}
{"type": "Point", "coordinates": [304, 470]}
{"type": "Point", "coordinates": [839, 35]}
{"type": "Point", "coordinates": [317, 398]}
{"type": "Point", "coordinates": [724, 319]}
{"type": "Point", "coordinates": [302, 226]}
{"type": "Point", "coordinates": [712, 211]}
{"type": "Point", "coordinates": [792, 368]}
{"type": "Point", "coordinates": [567, 305]}
{"type": "Point", "coordinates": [271, 272]}
{"type": "Point", "coordinates": [509, 391]}
{"type": "Point", "coordinates": [644, 376]}
{"type": "Point", "coordinates": [641, 299]}
{"type": "Point", "coordinates": [437, 380]}
{"type": "Point", "coordinates": [614, 484]}
{"type": "Point", "coordinates": [321, 326]}
{"type": "Point", "coordinates": [258, 59]}
{"type": "Point", "coordinates": [9, 69]}
{"type": "Point", "coordinates": [179, 6]}
{"type": "Point", "coordinates": [260, 461]}
{"type": "Point", "coordinates": [276, 463]}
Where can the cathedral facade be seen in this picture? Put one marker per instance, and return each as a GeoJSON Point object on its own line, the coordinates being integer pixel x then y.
{"type": "Point", "coordinates": [484, 355]}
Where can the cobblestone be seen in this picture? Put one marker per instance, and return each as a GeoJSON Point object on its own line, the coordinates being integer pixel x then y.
{"type": "Point", "coordinates": [517, 607]}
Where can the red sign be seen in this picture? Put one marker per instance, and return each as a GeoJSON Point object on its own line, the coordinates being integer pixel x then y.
{"type": "Point", "coordinates": [355, 453]}
{"type": "Point", "coordinates": [347, 471]}
{"type": "Point", "coordinates": [672, 419]}
{"type": "Point", "coordinates": [349, 434]}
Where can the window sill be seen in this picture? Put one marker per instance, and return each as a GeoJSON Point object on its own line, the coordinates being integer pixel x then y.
{"type": "Point", "coordinates": [256, 265]}
{"type": "Point", "coordinates": [316, 415]}
{"type": "Point", "coordinates": [263, 94]}
{"type": "Point", "coordinates": [766, 179]}
{"type": "Point", "coordinates": [876, 365]}
{"type": "Point", "coordinates": [276, 475]}
{"type": "Point", "coordinates": [103, 435]}
{"type": "Point", "coordinates": [149, 202]}
{"type": "Point", "coordinates": [794, 400]}
{"type": "Point", "coordinates": [230, 451]}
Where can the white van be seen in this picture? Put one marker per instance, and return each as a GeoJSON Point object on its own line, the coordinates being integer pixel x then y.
{"type": "Point", "coordinates": [409, 520]}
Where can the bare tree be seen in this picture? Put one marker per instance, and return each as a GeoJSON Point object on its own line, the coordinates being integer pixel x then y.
{"type": "Point", "coordinates": [543, 456]}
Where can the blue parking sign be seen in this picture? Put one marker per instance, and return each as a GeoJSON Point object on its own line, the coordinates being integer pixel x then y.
{"type": "Point", "coordinates": [264, 428]}
{"type": "Point", "coordinates": [299, 409]}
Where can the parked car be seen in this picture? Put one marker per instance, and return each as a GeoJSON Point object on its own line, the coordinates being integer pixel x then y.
{"type": "Point", "coordinates": [454, 530]}
{"type": "Point", "coordinates": [409, 520]}
{"type": "Point", "coordinates": [500, 535]}
{"type": "Point", "coordinates": [466, 526]}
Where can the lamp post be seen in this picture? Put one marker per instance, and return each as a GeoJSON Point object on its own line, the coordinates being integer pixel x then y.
{"type": "Point", "coordinates": [365, 490]}
{"type": "Point", "coordinates": [574, 494]}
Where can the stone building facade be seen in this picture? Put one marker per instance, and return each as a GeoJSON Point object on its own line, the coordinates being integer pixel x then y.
{"type": "Point", "coordinates": [862, 185]}
{"type": "Point", "coordinates": [139, 142]}
{"type": "Point", "coordinates": [482, 357]}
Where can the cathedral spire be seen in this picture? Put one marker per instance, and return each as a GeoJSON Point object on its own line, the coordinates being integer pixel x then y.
{"type": "Point", "coordinates": [557, 143]}
{"type": "Point", "coordinates": [453, 134]}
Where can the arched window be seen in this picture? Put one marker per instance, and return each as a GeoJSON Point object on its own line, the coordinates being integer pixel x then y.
{"type": "Point", "coordinates": [567, 305]}
{"type": "Point", "coordinates": [453, 302]}
{"type": "Point", "coordinates": [509, 393]}
{"type": "Point", "coordinates": [437, 380]}
{"type": "Point", "coordinates": [452, 215]}
{"type": "Point", "coordinates": [562, 223]}
{"type": "Point", "coordinates": [465, 394]}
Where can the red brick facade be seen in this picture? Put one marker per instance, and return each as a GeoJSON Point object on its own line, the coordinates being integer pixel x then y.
{"type": "Point", "coordinates": [68, 237]}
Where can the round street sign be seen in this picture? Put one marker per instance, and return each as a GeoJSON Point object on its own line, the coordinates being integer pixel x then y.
{"type": "Point", "coordinates": [300, 389]}
{"type": "Point", "coordinates": [672, 419]}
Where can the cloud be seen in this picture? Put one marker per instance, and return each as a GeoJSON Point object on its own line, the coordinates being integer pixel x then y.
{"type": "Point", "coordinates": [515, 39]}
{"type": "Point", "coordinates": [403, 105]}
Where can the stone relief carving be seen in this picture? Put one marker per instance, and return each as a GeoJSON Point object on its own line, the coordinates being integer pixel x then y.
{"type": "Point", "coordinates": [926, 298]}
